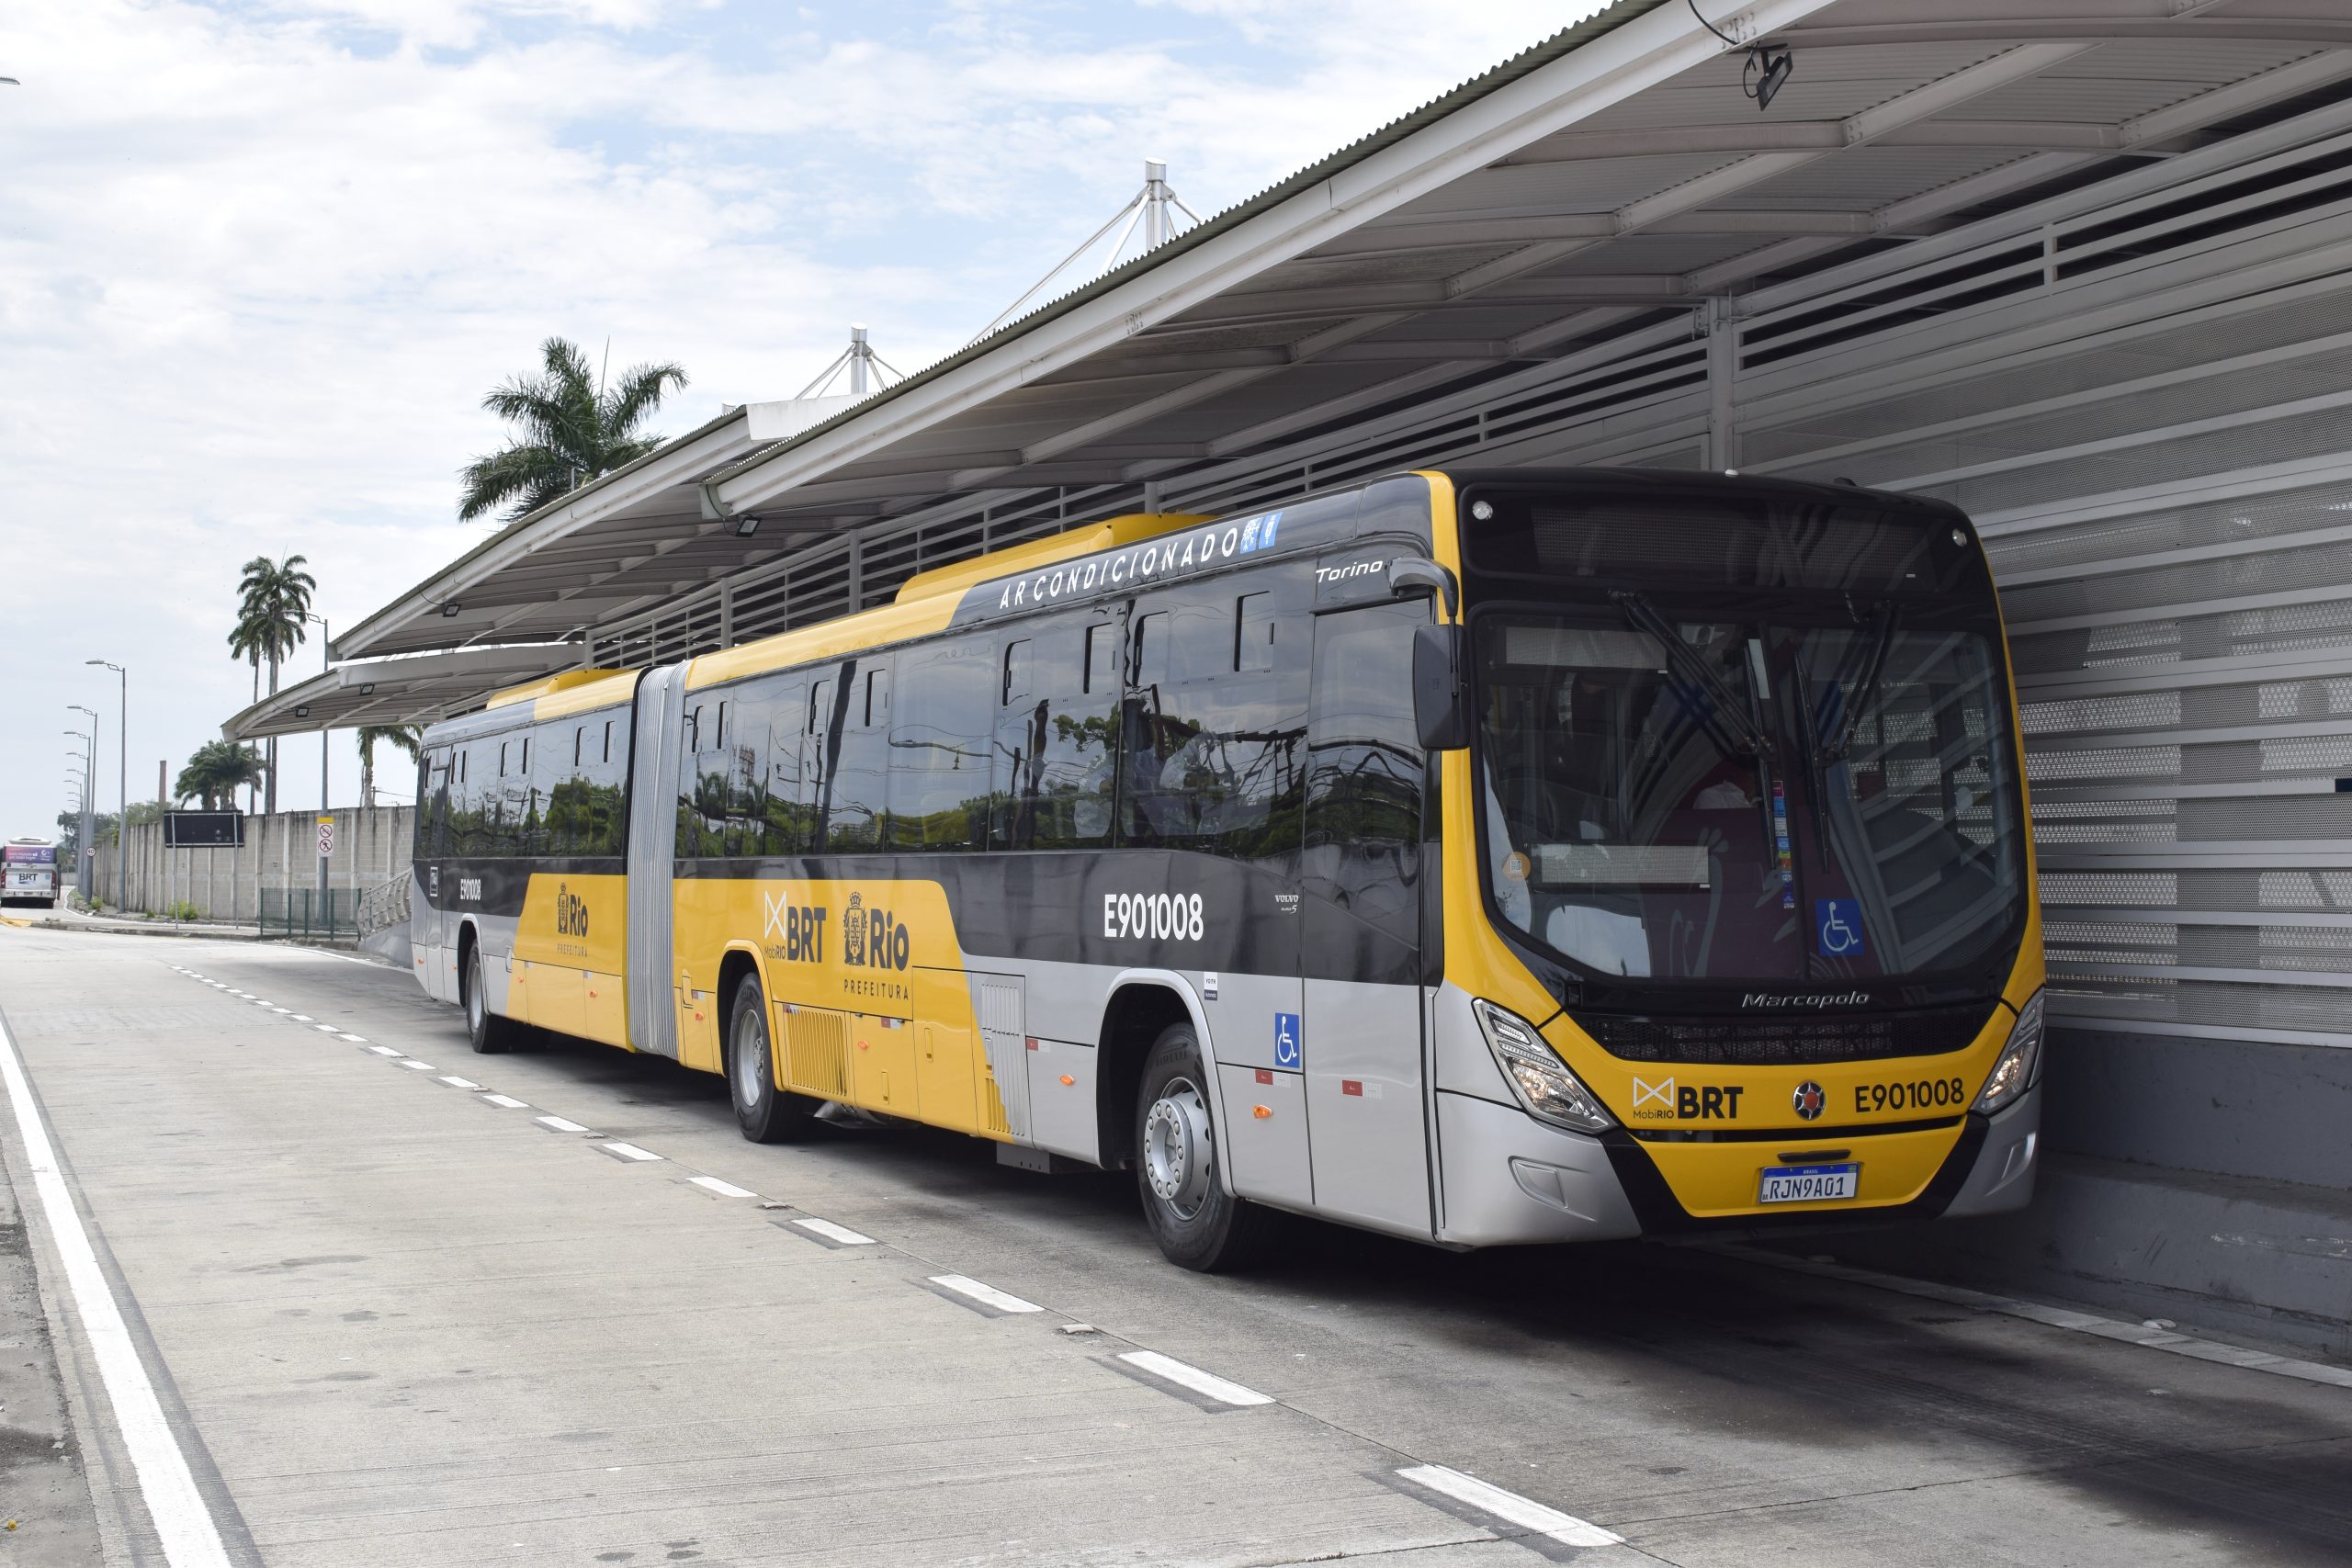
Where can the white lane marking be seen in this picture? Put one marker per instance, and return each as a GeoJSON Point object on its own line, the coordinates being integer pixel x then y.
{"type": "Point", "coordinates": [354, 1038]}
{"type": "Point", "coordinates": [420, 1066]}
{"type": "Point", "coordinates": [454, 1081]}
{"type": "Point", "coordinates": [1223, 1390]}
{"type": "Point", "coordinates": [259, 1003]}
{"type": "Point", "coordinates": [986, 1295]}
{"type": "Point", "coordinates": [506, 1102]}
{"type": "Point", "coordinates": [183, 1524]}
{"type": "Point", "coordinates": [1509, 1506]}
{"type": "Point", "coordinates": [384, 1050]}
{"type": "Point", "coordinates": [302, 1017]}
{"type": "Point", "coordinates": [724, 1189]}
{"type": "Point", "coordinates": [832, 1232]}
{"type": "Point", "coordinates": [2055, 1317]}
{"type": "Point", "coordinates": [275, 1008]}
{"type": "Point", "coordinates": [559, 1124]}
{"type": "Point", "coordinates": [327, 1028]}
{"type": "Point", "coordinates": [630, 1151]}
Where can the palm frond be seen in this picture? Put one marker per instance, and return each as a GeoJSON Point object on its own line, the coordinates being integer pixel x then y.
{"type": "Point", "coordinates": [635, 397]}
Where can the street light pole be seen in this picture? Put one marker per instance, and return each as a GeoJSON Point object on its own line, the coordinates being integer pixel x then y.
{"type": "Point", "coordinates": [122, 766]}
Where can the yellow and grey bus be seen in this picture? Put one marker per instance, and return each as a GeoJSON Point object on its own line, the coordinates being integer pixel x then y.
{"type": "Point", "coordinates": [1480, 858]}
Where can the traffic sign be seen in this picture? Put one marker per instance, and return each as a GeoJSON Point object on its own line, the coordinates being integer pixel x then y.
{"type": "Point", "coordinates": [327, 838]}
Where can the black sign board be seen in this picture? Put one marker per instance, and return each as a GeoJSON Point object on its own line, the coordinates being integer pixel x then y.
{"type": "Point", "coordinates": [203, 829]}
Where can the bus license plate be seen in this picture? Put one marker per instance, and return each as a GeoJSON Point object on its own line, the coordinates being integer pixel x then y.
{"type": "Point", "coordinates": [1808, 1183]}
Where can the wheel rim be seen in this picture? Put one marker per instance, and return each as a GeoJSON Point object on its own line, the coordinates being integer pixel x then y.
{"type": "Point", "coordinates": [751, 1058]}
{"type": "Point", "coordinates": [1176, 1148]}
{"type": "Point", "coordinates": [475, 1008]}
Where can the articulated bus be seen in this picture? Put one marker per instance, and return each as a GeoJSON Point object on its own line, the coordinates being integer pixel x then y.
{"type": "Point", "coordinates": [1479, 858]}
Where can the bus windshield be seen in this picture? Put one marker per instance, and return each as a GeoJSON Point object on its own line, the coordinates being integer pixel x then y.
{"type": "Point", "coordinates": [1757, 774]}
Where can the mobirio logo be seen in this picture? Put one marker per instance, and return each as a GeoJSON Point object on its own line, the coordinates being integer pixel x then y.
{"type": "Point", "coordinates": [873, 939]}
{"type": "Point", "coordinates": [1139, 563]}
{"type": "Point", "coordinates": [570, 913]}
{"type": "Point", "coordinates": [1817, 1000]}
{"type": "Point", "coordinates": [1354, 569]}
{"type": "Point", "coordinates": [1162, 916]}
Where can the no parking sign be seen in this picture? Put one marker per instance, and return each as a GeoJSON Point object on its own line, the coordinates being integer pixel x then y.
{"type": "Point", "coordinates": [327, 838]}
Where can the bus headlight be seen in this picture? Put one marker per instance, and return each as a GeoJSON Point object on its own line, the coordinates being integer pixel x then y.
{"type": "Point", "coordinates": [1536, 1074]}
{"type": "Point", "coordinates": [2020, 1063]}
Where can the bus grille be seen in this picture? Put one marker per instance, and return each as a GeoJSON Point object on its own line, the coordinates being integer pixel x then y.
{"type": "Point", "coordinates": [1762, 1043]}
{"type": "Point", "coordinates": [816, 1049]}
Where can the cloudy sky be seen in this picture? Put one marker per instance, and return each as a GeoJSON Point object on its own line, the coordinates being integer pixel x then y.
{"type": "Point", "coordinates": [258, 262]}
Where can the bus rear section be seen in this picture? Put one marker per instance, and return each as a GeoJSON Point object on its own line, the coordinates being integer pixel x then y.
{"type": "Point", "coordinates": [28, 873]}
{"type": "Point", "coordinates": [1740, 916]}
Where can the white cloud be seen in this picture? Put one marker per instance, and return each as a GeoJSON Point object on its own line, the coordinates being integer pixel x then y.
{"type": "Point", "coordinates": [257, 265]}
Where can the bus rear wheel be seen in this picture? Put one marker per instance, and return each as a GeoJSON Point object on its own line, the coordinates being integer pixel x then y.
{"type": "Point", "coordinates": [1197, 1223]}
{"type": "Point", "coordinates": [765, 1112]}
{"type": "Point", "coordinates": [485, 1030]}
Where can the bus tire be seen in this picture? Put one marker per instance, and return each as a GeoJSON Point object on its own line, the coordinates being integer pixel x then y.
{"type": "Point", "coordinates": [1199, 1225]}
{"type": "Point", "coordinates": [485, 1030]}
{"type": "Point", "coordinates": [765, 1112]}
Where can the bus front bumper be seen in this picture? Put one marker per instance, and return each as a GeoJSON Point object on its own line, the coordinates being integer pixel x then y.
{"type": "Point", "coordinates": [1509, 1179]}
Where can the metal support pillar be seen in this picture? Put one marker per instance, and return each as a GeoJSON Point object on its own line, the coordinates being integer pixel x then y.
{"type": "Point", "coordinates": [1723, 366]}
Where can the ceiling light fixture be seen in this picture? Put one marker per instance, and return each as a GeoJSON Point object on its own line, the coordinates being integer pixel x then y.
{"type": "Point", "coordinates": [1768, 69]}
{"type": "Point", "coordinates": [450, 611]}
{"type": "Point", "coordinates": [747, 524]}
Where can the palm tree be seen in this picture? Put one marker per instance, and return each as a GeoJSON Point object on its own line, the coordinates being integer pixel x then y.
{"type": "Point", "coordinates": [246, 642]}
{"type": "Point", "coordinates": [569, 430]}
{"type": "Point", "coordinates": [272, 620]}
{"type": "Point", "coordinates": [408, 738]}
{"type": "Point", "coordinates": [215, 772]}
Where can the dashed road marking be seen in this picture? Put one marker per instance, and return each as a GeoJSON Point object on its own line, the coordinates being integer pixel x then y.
{"type": "Point", "coordinates": [354, 1038]}
{"type": "Point", "coordinates": [326, 1028]}
{"type": "Point", "coordinates": [724, 1189]}
{"type": "Point", "coordinates": [302, 1017]}
{"type": "Point", "coordinates": [839, 1234]}
{"type": "Point", "coordinates": [384, 1050]}
{"type": "Point", "coordinates": [420, 1066]}
{"type": "Point", "coordinates": [506, 1102]}
{"type": "Point", "coordinates": [454, 1081]}
{"type": "Point", "coordinates": [556, 1123]}
{"type": "Point", "coordinates": [1509, 1506]}
{"type": "Point", "coordinates": [628, 1151]}
{"type": "Point", "coordinates": [986, 1295]}
{"type": "Point", "coordinates": [1207, 1384]}
{"type": "Point", "coordinates": [184, 1528]}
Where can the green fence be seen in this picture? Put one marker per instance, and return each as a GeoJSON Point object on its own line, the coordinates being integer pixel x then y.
{"type": "Point", "coordinates": [309, 915]}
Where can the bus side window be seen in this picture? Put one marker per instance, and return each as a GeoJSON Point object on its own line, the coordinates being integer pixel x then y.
{"type": "Point", "coordinates": [857, 791]}
{"type": "Point", "coordinates": [1214, 754]}
{"type": "Point", "coordinates": [1364, 796]}
{"type": "Point", "coordinates": [1016, 672]}
{"type": "Point", "coordinates": [938, 748]}
{"type": "Point", "coordinates": [785, 804]}
{"type": "Point", "coordinates": [1056, 748]}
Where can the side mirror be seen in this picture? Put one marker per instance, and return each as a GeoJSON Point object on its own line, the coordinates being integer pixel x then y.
{"type": "Point", "coordinates": [1419, 574]}
{"type": "Point", "coordinates": [1439, 711]}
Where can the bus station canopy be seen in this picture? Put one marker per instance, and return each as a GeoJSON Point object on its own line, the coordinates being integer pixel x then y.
{"type": "Point", "coordinates": [1598, 236]}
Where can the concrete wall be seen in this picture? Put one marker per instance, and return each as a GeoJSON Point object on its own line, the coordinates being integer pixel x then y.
{"type": "Point", "coordinates": [280, 852]}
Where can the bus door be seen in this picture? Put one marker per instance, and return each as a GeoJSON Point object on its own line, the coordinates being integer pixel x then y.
{"type": "Point", "coordinates": [657, 738]}
{"type": "Point", "coordinates": [1362, 897]}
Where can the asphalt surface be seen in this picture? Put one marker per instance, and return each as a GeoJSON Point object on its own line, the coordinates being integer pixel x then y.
{"type": "Point", "coordinates": [391, 1321]}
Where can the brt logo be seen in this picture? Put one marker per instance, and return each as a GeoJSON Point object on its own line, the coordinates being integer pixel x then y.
{"type": "Point", "coordinates": [570, 913]}
{"type": "Point", "coordinates": [1668, 1101]}
{"type": "Point", "coordinates": [873, 939]}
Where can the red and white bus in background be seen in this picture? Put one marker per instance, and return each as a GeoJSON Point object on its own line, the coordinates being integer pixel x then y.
{"type": "Point", "coordinates": [29, 872]}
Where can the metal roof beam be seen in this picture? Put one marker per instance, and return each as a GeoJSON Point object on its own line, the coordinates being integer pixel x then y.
{"type": "Point", "coordinates": [2163, 23]}
{"type": "Point", "coordinates": [1799, 135]}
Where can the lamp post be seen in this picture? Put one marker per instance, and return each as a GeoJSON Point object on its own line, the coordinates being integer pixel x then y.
{"type": "Point", "coordinates": [85, 862]}
{"type": "Point", "coordinates": [122, 766]}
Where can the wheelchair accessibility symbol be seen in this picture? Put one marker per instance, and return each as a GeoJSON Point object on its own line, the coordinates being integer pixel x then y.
{"type": "Point", "coordinates": [1289, 1048]}
{"type": "Point", "coordinates": [1837, 928]}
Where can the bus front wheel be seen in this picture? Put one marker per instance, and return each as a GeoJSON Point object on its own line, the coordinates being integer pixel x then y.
{"type": "Point", "coordinates": [485, 1030]}
{"type": "Point", "coordinates": [766, 1113]}
{"type": "Point", "coordinates": [1197, 1223]}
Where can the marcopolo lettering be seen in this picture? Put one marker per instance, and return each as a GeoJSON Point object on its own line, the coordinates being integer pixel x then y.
{"type": "Point", "coordinates": [1818, 1000]}
{"type": "Point", "coordinates": [1158, 916]}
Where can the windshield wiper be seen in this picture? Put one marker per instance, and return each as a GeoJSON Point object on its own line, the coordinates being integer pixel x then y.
{"type": "Point", "coordinates": [1864, 693]}
{"type": "Point", "coordinates": [1751, 740]}
{"type": "Point", "coordinates": [1816, 762]}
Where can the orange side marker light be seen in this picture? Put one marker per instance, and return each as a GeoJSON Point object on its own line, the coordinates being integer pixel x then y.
{"type": "Point", "coordinates": [1262, 1112]}
{"type": "Point", "coordinates": [1068, 1080]}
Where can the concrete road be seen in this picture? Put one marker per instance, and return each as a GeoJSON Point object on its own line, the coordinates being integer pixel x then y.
{"type": "Point", "coordinates": [387, 1318]}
